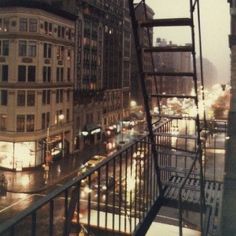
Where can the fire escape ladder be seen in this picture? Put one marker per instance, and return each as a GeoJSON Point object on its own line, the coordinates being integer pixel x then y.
{"type": "Point", "coordinates": [146, 99]}
{"type": "Point", "coordinates": [157, 92]}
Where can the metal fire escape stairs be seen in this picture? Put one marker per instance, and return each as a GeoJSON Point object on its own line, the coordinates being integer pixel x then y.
{"type": "Point", "coordinates": [187, 185]}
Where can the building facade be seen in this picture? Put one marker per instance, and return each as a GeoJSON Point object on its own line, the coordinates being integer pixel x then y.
{"type": "Point", "coordinates": [173, 62]}
{"type": "Point", "coordinates": [37, 81]}
{"type": "Point", "coordinates": [145, 41]}
{"type": "Point", "coordinates": [102, 69]}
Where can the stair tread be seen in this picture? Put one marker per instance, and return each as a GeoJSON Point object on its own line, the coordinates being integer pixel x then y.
{"type": "Point", "coordinates": [171, 74]}
{"type": "Point", "coordinates": [175, 135]}
{"type": "Point", "coordinates": [172, 96]}
{"type": "Point", "coordinates": [166, 22]}
{"type": "Point", "coordinates": [177, 117]}
{"type": "Point", "coordinates": [169, 49]}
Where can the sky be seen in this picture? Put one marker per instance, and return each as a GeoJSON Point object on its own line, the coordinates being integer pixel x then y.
{"type": "Point", "coordinates": [215, 25]}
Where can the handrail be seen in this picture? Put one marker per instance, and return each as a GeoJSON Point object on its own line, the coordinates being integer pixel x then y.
{"type": "Point", "coordinates": [180, 192]}
{"type": "Point", "coordinates": [73, 182]}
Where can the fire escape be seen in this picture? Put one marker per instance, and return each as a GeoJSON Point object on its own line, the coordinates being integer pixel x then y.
{"type": "Point", "coordinates": [180, 185]}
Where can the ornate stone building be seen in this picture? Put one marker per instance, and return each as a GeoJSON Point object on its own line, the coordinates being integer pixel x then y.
{"type": "Point", "coordinates": [36, 83]}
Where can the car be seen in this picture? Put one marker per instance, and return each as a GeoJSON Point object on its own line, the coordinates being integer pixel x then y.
{"type": "Point", "coordinates": [94, 161]}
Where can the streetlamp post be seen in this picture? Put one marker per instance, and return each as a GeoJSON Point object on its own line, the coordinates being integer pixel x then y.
{"type": "Point", "coordinates": [61, 118]}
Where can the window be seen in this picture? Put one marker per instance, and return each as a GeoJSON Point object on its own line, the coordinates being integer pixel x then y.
{"type": "Point", "coordinates": [4, 47]}
{"type": "Point", "coordinates": [59, 31]}
{"type": "Point", "coordinates": [4, 25]}
{"type": "Point", "coordinates": [30, 123]}
{"type": "Point", "coordinates": [27, 48]}
{"type": "Point", "coordinates": [3, 73]}
{"type": "Point", "coordinates": [31, 73]}
{"type": "Point", "coordinates": [60, 52]}
{"type": "Point", "coordinates": [30, 98]}
{"type": "Point", "coordinates": [22, 48]}
{"type": "Point", "coordinates": [59, 95]}
{"type": "Point", "coordinates": [46, 74]}
{"type": "Point", "coordinates": [26, 70]}
{"type": "Point", "coordinates": [3, 97]}
{"type": "Point", "coordinates": [23, 122]}
{"type": "Point", "coordinates": [46, 97]}
{"type": "Point", "coordinates": [21, 98]}
{"type": "Point", "coordinates": [20, 123]}
{"type": "Point", "coordinates": [23, 24]}
{"type": "Point", "coordinates": [45, 120]}
{"type": "Point", "coordinates": [33, 24]}
{"type": "Point", "coordinates": [68, 95]}
{"type": "Point", "coordinates": [21, 73]}
{"type": "Point", "coordinates": [60, 74]}
{"type": "Point", "coordinates": [67, 115]}
{"type": "Point", "coordinates": [47, 50]}
{"type": "Point", "coordinates": [32, 49]}
{"type": "Point", "coordinates": [3, 122]}
{"type": "Point", "coordinates": [68, 74]}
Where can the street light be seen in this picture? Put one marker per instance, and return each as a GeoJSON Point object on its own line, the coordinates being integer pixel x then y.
{"type": "Point", "coordinates": [61, 118]}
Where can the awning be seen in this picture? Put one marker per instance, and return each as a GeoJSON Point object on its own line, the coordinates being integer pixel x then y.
{"type": "Point", "coordinates": [91, 128]}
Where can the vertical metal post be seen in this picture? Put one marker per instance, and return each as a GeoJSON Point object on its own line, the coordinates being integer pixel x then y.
{"type": "Point", "coordinates": [51, 217]}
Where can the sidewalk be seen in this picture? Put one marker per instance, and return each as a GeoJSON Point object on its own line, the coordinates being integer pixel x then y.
{"type": "Point", "coordinates": [37, 180]}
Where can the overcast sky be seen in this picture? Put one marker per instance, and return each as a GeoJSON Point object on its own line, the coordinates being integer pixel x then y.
{"type": "Point", "coordinates": [215, 23]}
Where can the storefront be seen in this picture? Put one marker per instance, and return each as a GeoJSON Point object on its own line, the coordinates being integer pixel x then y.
{"type": "Point", "coordinates": [92, 134]}
{"type": "Point", "coordinates": [20, 155]}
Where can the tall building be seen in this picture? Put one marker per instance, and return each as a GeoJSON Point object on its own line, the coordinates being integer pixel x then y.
{"type": "Point", "coordinates": [37, 80]}
{"type": "Point", "coordinates": [173, 62]}
{"type": "Point", "coordinates": [136, 92]}
{"type": "Point", "coordinates": [103, 68]}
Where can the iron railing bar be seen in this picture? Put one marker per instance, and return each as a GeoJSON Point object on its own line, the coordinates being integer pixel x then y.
{"type": "Point", "coordinates": [65, 210]}
{"type": "Point", "coordinates": [89, 204]}
{"type": "Point", "coordinates": [51, 217]}
{"type": "Point", "coordinates": [135, 186]}
{"type": "Point", "coordinates": [98, 197]}
{"type": "Point", "coordinates": [126, 174]}
{"type": "Point", "coordinates": [113, 196]}
{"type": "Point", "coordinates": [33, 226]}
{"type": "Point", "coordinates": [140, 188]}
{"type": "Point", "coordinates": [12, 231]}
{"type": "Point", "coordinates": [106, 200]}
{"type": "Point", "coordinates": [78, 203]}
{"type": "Point", "coordinates": [120, 189]}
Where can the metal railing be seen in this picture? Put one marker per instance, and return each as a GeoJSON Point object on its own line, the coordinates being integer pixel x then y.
{"type": "Point", "coordinates": [116, 195]}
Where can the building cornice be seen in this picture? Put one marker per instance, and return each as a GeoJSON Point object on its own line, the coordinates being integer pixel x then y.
{"type": "Point", "coordinates": [38, 5]}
